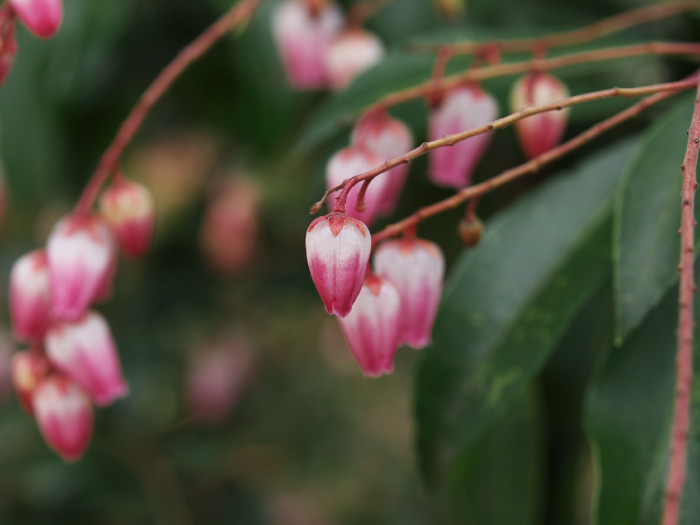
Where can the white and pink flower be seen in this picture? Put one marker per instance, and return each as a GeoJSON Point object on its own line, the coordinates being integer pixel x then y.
{"type": "Point", "coordinates": [30, 296]}
{"type": "Point", "coordinates": [539, 133]}
{"type": "Point", "coordinates": [372, 327]}
{"type": "Point", "coordinates": [84, 350]}
{"type": "Point", "coordinates": [416, 267]}
{"type": "Point", "coordinates": [41, 17]}
{"type": "Point", "coordinates": [351, 53]}
{"type": "Point", "coordinates": [337, 250]}
{"type": "Point", "coordinates": [64, 415]}
{"type": "Point", "coordinates": [461, 109]}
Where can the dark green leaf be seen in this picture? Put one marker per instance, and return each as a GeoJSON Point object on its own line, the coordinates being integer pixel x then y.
{"type": "Point", "coordinates": [509, 301]}
{"type": "Point", "coordinates": [646, 218]}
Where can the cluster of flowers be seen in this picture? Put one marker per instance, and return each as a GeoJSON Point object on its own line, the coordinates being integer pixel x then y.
{"type": "Point", "coordinates": [41, 17]}
{"type": "Point", "coordinates": [72, 360]}
{"type": "Point", "coordinates": [319, 49]}
{"type": "Point", "coordinates": [397, 302]}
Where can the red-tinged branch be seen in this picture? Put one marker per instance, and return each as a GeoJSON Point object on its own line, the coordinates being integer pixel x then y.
{"type": "Point", "coordinates": [527, 168]}
{"type": "Point", "coordinates": [686, 328]}
{"type": "Point", "coordinates": [238, 15]}
{"type": "Point", "coordinates": [450, 140]}
{"type": "Point", "coordinates": [574, 37]}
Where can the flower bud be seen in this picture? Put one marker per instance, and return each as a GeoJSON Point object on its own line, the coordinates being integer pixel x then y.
{"type": "Point", "coordinates": [337, 250]}
{"type": "Point", "coordinates": [64, 416]}
{"type": "Point", "coordinates": [372, 327]}
{"type": "Point", "coordinates": [539, 133]}
{"type": "Point", "coordinates": [351, 53]}
{"type": "Point", "coordinates": [41, 17]}
{"type": "Point", "coordinates": [417, 268]}
{"type": "Point", "coordinates": [85, 352]}
{"type": "Point", "coordinates": [8, 42]}
{"type": "Point", "coordinates": [389, 138]}
{"type": "Point", "coordinates": [461, 109]}
{"type": "Point", "coordinates": [230, 226]}
{"type": "Point", "coordinates": [470, 231]}
{"type": "Point", "coordinates": [127, 207]}
{"type": "Point", "coordinates": [30, 296]}
{"type": "Point", "coordinates": [347, 163]}
{"type": "Point", "coordinates": [80, 254]}
{"type": "Point", "coordinates": [303, 36]}
{"type": "Point", "coordinates": [28, 369]}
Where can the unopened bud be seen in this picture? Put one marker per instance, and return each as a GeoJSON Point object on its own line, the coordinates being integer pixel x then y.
{"type": "Point", "coordinates": [470, 231]}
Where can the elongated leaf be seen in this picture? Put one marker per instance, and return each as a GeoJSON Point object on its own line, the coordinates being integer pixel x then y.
{"type": "Point", "coordinates": [507, 304]}
{"type": "Point", "coordinates": [646, 217]}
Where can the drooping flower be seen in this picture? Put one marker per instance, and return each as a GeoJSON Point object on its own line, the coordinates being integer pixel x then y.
{"type": "Point", "coordinates": [416, 267]}
{"type": "Point", "coordinates": [84, 350]}
{"type": "Point", "coordinates": [351, 53]}
{"type": "Point", "coordinates": [64, 416]}
{"type": "Point", "coordinates": [42, 17]}
{"type": "Point", "coordinates": [80, 255]}
{"type": "Point", "coordinates": [539, 133]}
{"type": "Point", "coordinates": [337, 250]}
{"type": "Point", "coordinates": [8, 42]}
{"type": "Point", "coordinates": [29, 368]}
{"type": "Point", "coordinates": [461, 109]}
{"type": "Point", "coordinates": [347, 163]}
{"type": "Point", "coordinates": [30, 296]}
{"type": "Point", "coordinates": [388, 137]}
{"type": "Point", "coordinates": [372, 327]}
{"type": "Point", "coordinates": [304, 33]}
{"type": "Point", "coordinates": [127, 207]}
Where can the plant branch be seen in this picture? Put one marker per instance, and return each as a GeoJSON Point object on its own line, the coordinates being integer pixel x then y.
{"type": "Point", "coordinates": [527, 168]}
{"type": "Point", "coordinates": [450, 140]}
{"type": "Point", "coordinates": [573, 37]}
{"type": "Point", "coordinates": [686, 327]}
{"type": "Point", "coordinates": [239, 14]}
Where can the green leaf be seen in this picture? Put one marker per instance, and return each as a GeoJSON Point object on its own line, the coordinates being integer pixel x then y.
{"type": "Point", "coordinates": [646, 218]}
{"type": "Point", "coordinates": [509, 301]}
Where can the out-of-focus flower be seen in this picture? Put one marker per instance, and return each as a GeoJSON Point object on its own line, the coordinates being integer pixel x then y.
{"type": "Point", "coordinates": [28, 369]}
{"type": "Point", "coordinates": [230, 226]}
{"type": "Point", "coordinates": [539, 133]}
{"type": "Point", "coordinates": [461, 109]}
{"type": "Point", "coordinates": [8, 42]}
{"type": "Point", "coordinates": [372, 327]}
{"type": "Point", "coordinates": [64, 415]}
{"type": "Point", "coordinates": [30, 296]}
{"type": "Point", "coordinates": [84, 350]}
{"type": "Point", "coordinates": [304, 31]}
{"type": "Point", "coordinates": [389, 138]}
{"type": "Point", "coordinates": [351, 53]}
{"type": "Point", "coordinates": [42, 17]}
{"type": "Point", "coordinates": [337, 250]}
{"type": "Point", "coordinates": [416, 267]}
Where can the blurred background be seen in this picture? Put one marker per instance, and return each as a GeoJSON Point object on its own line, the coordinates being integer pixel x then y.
{"type": "Point", "coordinates": [245, 404]}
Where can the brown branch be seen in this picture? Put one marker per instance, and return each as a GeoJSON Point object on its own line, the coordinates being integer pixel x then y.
{"type": "Point", "coordinates": [527, 168]}
{"type": "Point", "coordinates": [239, 14]}
{"type": "Point", "coordinates": [686, 327]}
{"type": "Point", "coordinates": [573, 37]}
{"type": "Point", "coordinates": [450, 140]}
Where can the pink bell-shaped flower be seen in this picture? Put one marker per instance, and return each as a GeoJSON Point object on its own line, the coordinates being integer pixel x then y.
{"type": "Point", "coordinates": [28, 369]}
{"type": "Point", "coordinates": [347, 163]}
{"type": "Point", "coordinates": [127, 207]}
{"type": "Point", "coordinates": [64, 416]}
{"type": "Point", "coordinates": [337, 250]}
{"type": "Point", "coordinates": [80, 253]}
{"type": "Point", "coordinates": [30, 296]}
{"type": "Point", "coordinates": [351, 53]}
{"type": "Point", "coordinates": [416, 267]}
{"type": "Point", "coordinates": [379, 132]}
{"type": "Point", "coordinates": [8, 42]}
{"type": "Point", "coordinates": [539, 133]}
{"type": "Point", "coordinates": [42, 17]}
{"type": "Point", "coordinates": [372, 327]}
{"type": "Point", "coordinates": [85, 351]}
{"type": "Point", "coordinates": [461, 109]}
{"type": "Point", "coordinates": [304, 30]}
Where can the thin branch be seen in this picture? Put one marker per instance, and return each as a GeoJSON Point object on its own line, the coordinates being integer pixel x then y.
{"type": "Point", "coordinates": [686, 327]}
{"type": "Point", "coordinates": [450, 140]}
{"type": "Point", "coordinates": [527, 168]}
{"type": "Point", "coordinates": [239, 14]}
{"type": "Point", "coordinates": [582, 35]}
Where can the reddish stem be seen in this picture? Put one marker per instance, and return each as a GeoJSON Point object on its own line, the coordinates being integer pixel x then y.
{"type": "Point", "coordinates": [686, 327]}
{"type": "Point", "coordinates": [237, 15]}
